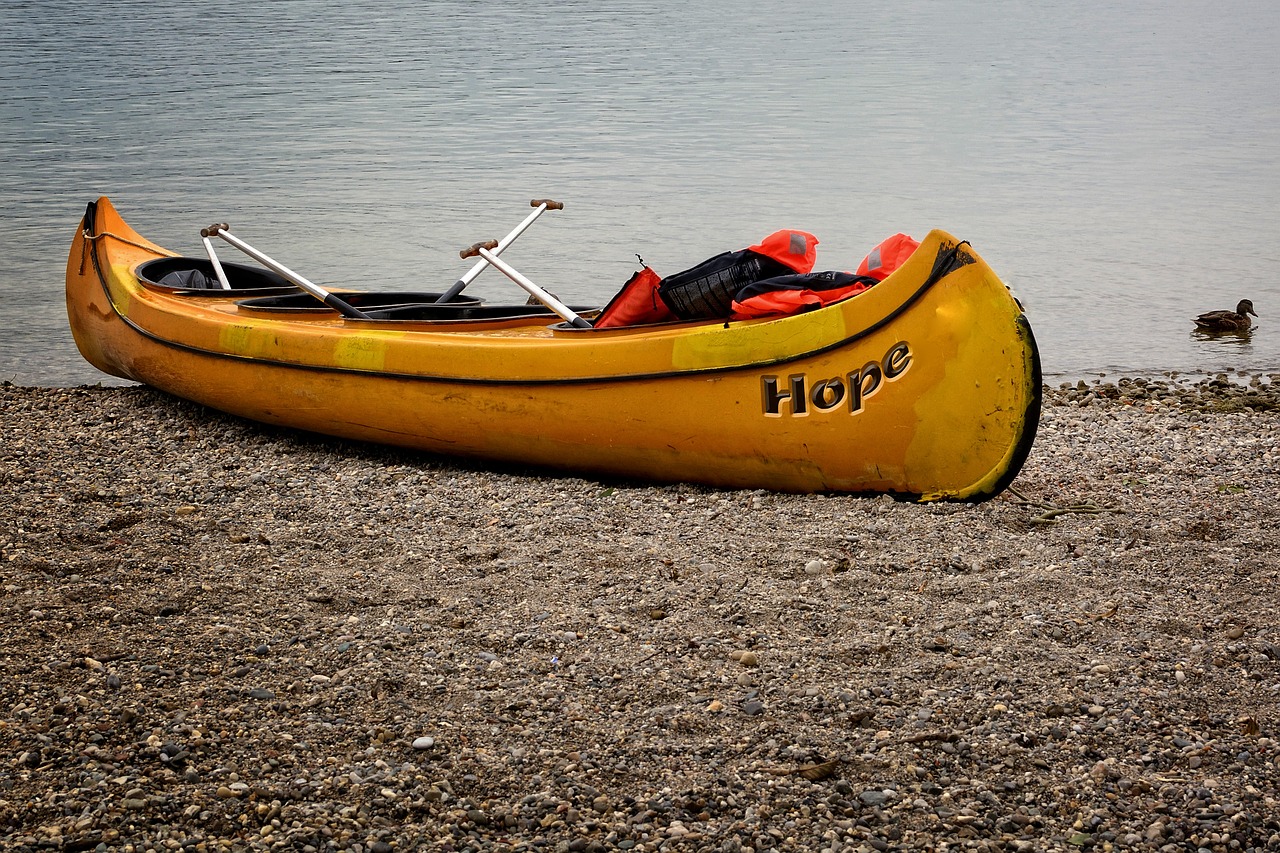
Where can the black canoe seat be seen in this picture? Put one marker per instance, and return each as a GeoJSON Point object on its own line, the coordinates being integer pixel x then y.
{"type": "Point", "coordinates": [195, 277]}
{"type": "Point", "coordinates": [436, 313]}
{"type": "Point", "coordinates": [305, 303]}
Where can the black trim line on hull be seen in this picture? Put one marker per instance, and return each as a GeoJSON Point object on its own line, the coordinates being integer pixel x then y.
{"type": "Point", "coordinates": [941, 269]}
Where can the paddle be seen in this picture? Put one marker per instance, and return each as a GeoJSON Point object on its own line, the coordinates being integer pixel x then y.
{"type": "Point", "coordinates": [217, 265]}
{"type": "Point", "coordinates": [223, 230]}
{"type": "Point", "coordinates": [542, 204]}
{"type": "Point", "coordinates": [486, 251]}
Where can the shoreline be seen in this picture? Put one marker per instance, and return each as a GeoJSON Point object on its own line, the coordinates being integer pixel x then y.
{"type": "Point", "coordinates": [227, 636]}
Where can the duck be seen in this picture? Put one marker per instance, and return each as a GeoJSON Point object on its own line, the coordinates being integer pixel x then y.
{"type": "Point", "coordinates": [1227, 321]}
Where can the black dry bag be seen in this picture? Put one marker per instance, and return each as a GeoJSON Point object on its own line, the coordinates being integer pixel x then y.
{"type": "Point", "coordinates": [706, 291]}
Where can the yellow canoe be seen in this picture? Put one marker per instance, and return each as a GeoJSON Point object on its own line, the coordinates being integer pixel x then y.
{"type": "Point", "coordinates": [926, 386]}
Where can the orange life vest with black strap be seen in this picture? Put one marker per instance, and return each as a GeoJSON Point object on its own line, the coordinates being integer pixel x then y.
{"type": "Point", "coordinates": [707, 290]}
{"type": "Point", "coordinates": [794, 294]}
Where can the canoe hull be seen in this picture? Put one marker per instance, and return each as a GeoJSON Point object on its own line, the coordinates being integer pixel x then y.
{"type": "Point", "coordinates": [936, 398]}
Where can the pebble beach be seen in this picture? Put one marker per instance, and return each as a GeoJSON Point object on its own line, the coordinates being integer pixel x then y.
{"type": "Point", "coordinates": [223, 636]}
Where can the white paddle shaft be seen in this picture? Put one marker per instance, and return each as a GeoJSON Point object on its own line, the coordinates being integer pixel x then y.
{"type": "Point", "coordinates": [338, 304]}
{"type": "Point", "coordinates": [217, 264]}
{"type": "Point", "coordinates": [565, 312]}
{"type": "Point", "coordinates": [541, 207]}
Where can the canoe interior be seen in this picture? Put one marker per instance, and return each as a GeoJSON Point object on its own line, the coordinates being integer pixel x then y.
{"type": "Point", "coordinates": [196, 277]}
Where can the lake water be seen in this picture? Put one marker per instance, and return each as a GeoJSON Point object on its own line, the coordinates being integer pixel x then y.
{"type": "Point", "coordinates": [1117, 164]}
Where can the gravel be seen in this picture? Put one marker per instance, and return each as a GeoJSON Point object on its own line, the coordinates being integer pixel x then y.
{"type": "Point", "coordinates": [225, 636]}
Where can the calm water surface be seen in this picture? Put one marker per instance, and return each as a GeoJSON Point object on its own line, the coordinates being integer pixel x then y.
{"type": "Point", "coordinates": [1117, 166]}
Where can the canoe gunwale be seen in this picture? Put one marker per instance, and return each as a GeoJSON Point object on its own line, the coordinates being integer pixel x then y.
{"type": "Point", "coordinates": [950, 258]}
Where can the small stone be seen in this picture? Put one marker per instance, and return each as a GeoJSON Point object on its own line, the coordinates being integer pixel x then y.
{"type": "Point", "coordinates": [424, 742]}
{"type": "Point", "coordinates": [753, 707]}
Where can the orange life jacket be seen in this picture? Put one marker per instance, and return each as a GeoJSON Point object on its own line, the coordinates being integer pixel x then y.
{"type": "Point", "coordinates": [636, 304]}
{"type": "Point", "coordinates": [795, 249]}
{"type": "Point", "coordinates": [887, 257]}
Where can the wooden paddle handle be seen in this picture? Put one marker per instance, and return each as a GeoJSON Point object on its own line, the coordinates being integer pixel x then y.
{"type": "Point", "coordinates": [474, 249]}
{"type": "Point", "coordinates": [551, 205]}
{"type": "Point", "coordinates": [213, 229]}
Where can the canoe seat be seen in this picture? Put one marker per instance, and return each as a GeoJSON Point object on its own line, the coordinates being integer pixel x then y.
{"type": "Point", "coordinates": [305, 303]}
{"type": "Point", "coordinates": [195, 277]}
{"type": "Point", "coordinates": [447, 313]}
